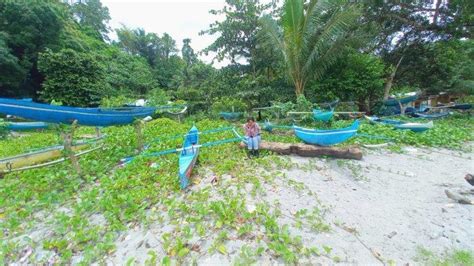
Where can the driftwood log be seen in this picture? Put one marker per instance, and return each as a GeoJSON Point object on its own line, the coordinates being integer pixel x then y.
{"type": "Point", "coordinates": [306, 150]}
{"type": "Point", "coordinates": [458, 198]}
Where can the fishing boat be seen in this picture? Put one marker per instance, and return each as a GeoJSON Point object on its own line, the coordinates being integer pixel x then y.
{"type": "Point", "coordinates": [99, 117]}
{"type": "Point", "coordinates": [231, 115]}
{"type": "Point", "coordinates": [403, 100]}
{"type": "Point", "coordinates": [321, 115]}
{"type": "Point", "coordinates": [23, 126]}
{"type": "Point", "coordinates": [326, 137]}
{"type": "Point", "coordinates": [23, 161]}
{"type": "Point", "coordinates": [415, 127]}
{"type": "Point", "coordinates": [430, 116]}
{"type": "Point", "coordinates": [461, 106]}
{"type": "Point", "coordinates": [189, 152]}
{"type": "Point", "coordinates": [188, 156]}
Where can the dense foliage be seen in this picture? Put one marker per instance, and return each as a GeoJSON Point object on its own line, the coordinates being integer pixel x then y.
{"type": "Point", "coordinates": [331, 48]}
{"type": "Point", "coordinates": [62, 82]}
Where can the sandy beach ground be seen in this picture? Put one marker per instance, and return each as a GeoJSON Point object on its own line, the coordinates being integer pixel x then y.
{"type": "Point", "coordinates": [383, 209]}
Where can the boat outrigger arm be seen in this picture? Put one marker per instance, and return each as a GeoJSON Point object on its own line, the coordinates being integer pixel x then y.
{"type": "Point", "coordinates": [204, 145]}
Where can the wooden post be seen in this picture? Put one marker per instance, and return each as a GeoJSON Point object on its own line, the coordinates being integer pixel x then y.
{"type": "Point", "coordinates": [97, 132]}
{"type": "Point", "coordinates": [139, 132]}
{"type": "Point", "coordinates": [67, 138]}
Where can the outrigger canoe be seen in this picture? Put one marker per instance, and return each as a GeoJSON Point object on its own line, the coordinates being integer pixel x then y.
{"type": "Point", "coordinates": [326, 137]}
{"type": "Point", "coordinates": [188, 156]}
{"type": "Point", "coordinates": [231, 115]}
{"type": "Point", "coordinates": [404, 100]}
{"type": "Point", "coordinates": [461, 106]}
{"type": "Point", "coordinates": [17, 162]}
{"type": "Point", "coordinates": [431, 116]}
{"type": "Point", "coordinates": [23, 126]}
{"type": "Point", "coordinates": [415, 127]}
{"type": "Point", "coordinates": [321, 115]}
{"type": "Point", "coordinates": [99, 117]}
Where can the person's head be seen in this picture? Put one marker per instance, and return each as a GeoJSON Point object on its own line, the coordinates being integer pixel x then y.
{"type": "Point", "coordinates": [250, 120]}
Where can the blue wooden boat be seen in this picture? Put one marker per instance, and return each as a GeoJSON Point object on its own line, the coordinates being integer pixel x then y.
{"type": "Point", "coordinates": [188, 156]}
{"type": "Point", "coordinates": [321, 115]}
{"type": "Point", "coordinates": [326, 137]}
{"type": "Point", "coordinates": [100, 117]}
{"type": "Point", "coordinates": [404, 100]}
{"type": "Point", "coordinates": [231, 115]}
{"type": "Point", "coordinates": [415, 127]}
{"type": "Point", "coordinates": [430, 116]}
{"type": "Point", "coordinates": [461, 106]}
{"type": "Point", "coordinates": [23, 126]}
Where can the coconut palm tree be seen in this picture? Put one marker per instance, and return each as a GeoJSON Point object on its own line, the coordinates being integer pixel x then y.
{"type": "Point", "coordinates": [310, 36]}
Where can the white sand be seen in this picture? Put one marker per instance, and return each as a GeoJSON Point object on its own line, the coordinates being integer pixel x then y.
{"type": "Point", "coordinates": [383, 208]}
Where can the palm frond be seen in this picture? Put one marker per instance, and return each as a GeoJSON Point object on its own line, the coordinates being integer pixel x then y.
{"type": "Point", "coordinates": [341, 20]}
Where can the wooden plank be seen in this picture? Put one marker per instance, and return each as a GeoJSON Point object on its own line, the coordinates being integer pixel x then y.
{"type": "Point", "coordinates": [306, 150]}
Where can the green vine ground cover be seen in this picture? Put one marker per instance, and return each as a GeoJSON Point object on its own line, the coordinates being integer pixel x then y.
{"type": "Point", "coordinates": [59, 206]}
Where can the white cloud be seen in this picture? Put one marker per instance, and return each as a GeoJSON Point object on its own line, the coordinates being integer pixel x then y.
{"type": "Point", "coordinates": [180, 18]}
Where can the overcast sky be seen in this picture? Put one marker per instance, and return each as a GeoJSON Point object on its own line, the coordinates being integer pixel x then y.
{"type": "Point", "coordinates": [180, 18]}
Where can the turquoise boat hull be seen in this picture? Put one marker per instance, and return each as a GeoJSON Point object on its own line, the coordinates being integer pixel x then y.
{"type": "Point", "coordinates": [324, 116]}
{"type": "Point", "coordinates": [431, 116]}
{"type": "Point", "coordinates": [326, 137]}
{"type": "Point", "coordinates": [461, 106]}
{"type": "Point", "coordinates": [404, 100]}
{"type": "Point", "coordinates": [231, 115]}
{"type": "Point", "coordinates": [188, 157]}
{"type": "Point", "coordinates": [415, 127]}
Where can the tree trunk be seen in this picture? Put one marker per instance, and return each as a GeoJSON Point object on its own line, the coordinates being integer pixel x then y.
{"type": "Point", "coordinates": [435, 16]}
{"type": "Point", "coordinates": [389, 82]}
{"type": "Point", "coordinates": [306, 150]}
{"type": "Point", "coordinates": [299, 87]}
{"type": "Point", "coordinates": [362, 106]}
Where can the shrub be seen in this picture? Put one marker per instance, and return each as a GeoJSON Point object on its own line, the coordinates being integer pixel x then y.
{"type": "Point", "coordinates": [227, 104]}
{"type": "Point", "coordinates": [115, 101]}
{"type": "Point", "coordinates": [75, 79]}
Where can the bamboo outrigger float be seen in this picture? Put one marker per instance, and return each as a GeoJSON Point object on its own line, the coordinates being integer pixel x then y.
{"type": "Point", "coordinates": [36, 159]}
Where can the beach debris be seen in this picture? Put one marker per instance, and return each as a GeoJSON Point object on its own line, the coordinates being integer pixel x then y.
{"type": "Point", "coordinates": [458, 198]}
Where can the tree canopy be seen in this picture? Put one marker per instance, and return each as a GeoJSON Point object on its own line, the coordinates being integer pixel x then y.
{"type": "Point", "coordinates": [322, 49]}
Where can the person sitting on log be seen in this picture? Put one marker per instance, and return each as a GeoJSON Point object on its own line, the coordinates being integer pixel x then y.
{"type": "Point", "coordinates": [252, 135]}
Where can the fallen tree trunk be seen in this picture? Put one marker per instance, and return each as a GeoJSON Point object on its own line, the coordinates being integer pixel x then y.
{"type": "Point", "coordinates": [306, 150]}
